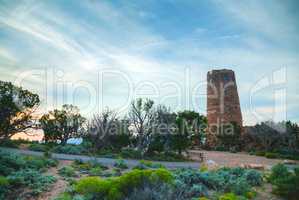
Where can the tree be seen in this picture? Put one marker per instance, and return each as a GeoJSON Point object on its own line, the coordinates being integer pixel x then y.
{"type": "Point", "coordinates": [194, 125]}
{"type": "Point", "coordinates": [16, 108]}
{"type": "Point", "coordinates": [163, 126]}
{"type": "Point", "coordinates": [105, 130]}
{"type": "Point", "coordinates": [62, 124]}
{"type": "Point", "coordinates": [230, 136]}
{"type": "Point", "coordinates": [141, 116]}
{"type": "Point", "coordinates": [272, 136]}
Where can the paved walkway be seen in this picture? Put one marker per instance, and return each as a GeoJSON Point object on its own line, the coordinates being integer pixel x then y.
{"type": "Point", "coordinates": [104, 161]}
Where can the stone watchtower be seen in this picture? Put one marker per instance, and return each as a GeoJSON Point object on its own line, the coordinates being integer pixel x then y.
{"type": "Point", "coordinates": [223, 105]}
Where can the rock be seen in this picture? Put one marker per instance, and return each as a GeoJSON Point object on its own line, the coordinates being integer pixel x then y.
{"type": "Point", "coordinates": [253, 166]}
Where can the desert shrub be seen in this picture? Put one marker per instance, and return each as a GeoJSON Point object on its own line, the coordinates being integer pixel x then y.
{"type": "Point", "coordinates": [121, 164]}
{"type": "Point", "coordinates": [165, 156]}
{"type": "Point", "coordinates": [271, 155]}
{"type": "Point", "coordinates": [111, 173]}
{"type": "Point", "coordinates": [119, 187]}
{"type": "Point", "coordinates": [221, 148]}
{"type": "Point", "coordinates": [34, 162]}
{"type": "Point", "coordinates": [70, 149]}
{"type": "Point", "coordinates": [260, 153]}
{"type": "Point", "coordinates": [193, 183]}
{"type": "Point", "coordinates": [253, 177]}
{"type": "Point", "coordinates": [8, 143]}
{"type": "Point", "coordinates": [285, 183]}
{"type": "Point", "coordinates": [160, 191]}
{"type": "Point", "coordinates": [277, 172]}
{"type": "Point", "coordinates": [145, 164]}
{"type": "Point", "coordinates": [67, 171]}
{"type": "Point", "coordinates": [10, 162]}
{"type": "Point", "coordinates": [228, 196]}
{"type": "Point", "coordinates": [31, 178]}
{"type": "Point", "coordinates": [86, 167]}
{"type": "Point", "coordinates": [3, 186]}
{"type": "Point", "coordinates": [37, 147]}
{"type": "Point", "coordinates": [64, 196]}
{"type": "Point", "coordinates": [96, 171]}
{"type": "Point", "coordinates": [131, 153]}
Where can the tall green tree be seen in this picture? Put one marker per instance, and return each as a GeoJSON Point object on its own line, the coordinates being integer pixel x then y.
{"type": "Point", "coordinates": [16, 108]}
{"type": "Point", "coordinates": [62, 124]}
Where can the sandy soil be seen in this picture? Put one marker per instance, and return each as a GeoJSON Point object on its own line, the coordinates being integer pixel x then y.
{"type": "Point", "coordinates": [233, 159]}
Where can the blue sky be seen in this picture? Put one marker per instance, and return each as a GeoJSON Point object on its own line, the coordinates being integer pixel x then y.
{"type": "Point", "coordinates": [105, 53]}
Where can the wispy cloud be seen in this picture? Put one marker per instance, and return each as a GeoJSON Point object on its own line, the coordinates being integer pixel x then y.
{"type": "Point", "coordinates": [83, 37]}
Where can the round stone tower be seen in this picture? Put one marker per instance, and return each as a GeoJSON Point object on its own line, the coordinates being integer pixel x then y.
{"type": "Point", "coordinates": [223, 105]}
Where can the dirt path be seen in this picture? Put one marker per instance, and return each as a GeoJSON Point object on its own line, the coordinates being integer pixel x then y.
{"type": "Point", "coordinates": [59, 186]}
{"type": "Point", "coordinates": [234, 159]}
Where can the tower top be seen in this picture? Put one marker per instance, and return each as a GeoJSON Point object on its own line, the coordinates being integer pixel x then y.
{"type": "Point", "coordinates": [220, 71]}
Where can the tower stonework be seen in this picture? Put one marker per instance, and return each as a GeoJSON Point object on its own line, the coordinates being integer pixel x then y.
{"type": "Point", "coordinates": [223, 105]}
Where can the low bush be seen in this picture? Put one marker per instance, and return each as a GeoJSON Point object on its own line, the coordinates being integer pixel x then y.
{"type": "Point", "coordinates": [121, 164]}
{"type": "Point", "coordinates": [286, 183]}
{"type": "Point", "coordinates": [31, 178]}
{"type": "Point", "coordinates": [86, 167]}
{"type": "Point", "coordinates": [10, 162]}
{"type": "Point", "coordinates": [24, 172]}
{"type": "Point", "coordinates": [236, 180]}
{"type": "Point", "coordinates": [67, 171]}
{"type": "Point", "coordinates": [70, 149]}
{"type": "Point", "coordinates": [144, 164]}
{"type": "Point", "coordinates": [260, 153]}
{"type": "Point", "coordinates": [96, 171]}
{"type": "Point", "coordinates": [271, 155]}
{"type": "Point", "coordinates": [119, 187]}
{"type": "Point", "coordinates": [131, 153]}
{"type": "Point", "coordinates": [8, 143]}
{"type": "Point", "coordinates": [3, 186]}
{"type": "Point", "coordinates": [39, 162]}
{"type": "Point", "coordinates": [229, 196]}
{"type": "Point", "coordinates": [38, 147]}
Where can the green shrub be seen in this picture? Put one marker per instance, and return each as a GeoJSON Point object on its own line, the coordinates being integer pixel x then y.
{"type": "Point", "coordinates": [118, 187]}
{"type": "Point", "coordinates": [271, 155]}
{"type": "Point", "coordinates": [228, 196]}
{"type": "Point", "coordinates": [286, 184]}
{"type": "Point", "coordinates": [8, 143]}
{"type": "Point", "coordinates": [131, 153]}
{"type": "Point", "coordinates": [145, 164]}
{"type": "Point", "coordinates": [236, 180]}
{"type": "Point", "coordinates": [67, 171]}
{"type": "Point", "coordinates": [37, 147]}
{"type": "Point", "coordinates": [96, 171]}
{"type": "Point", "coordinates": [121, 164]}
{"type": "Point", "coordinates": [31, 178]}
{"type": "Point", "coordinates": [10, 162]}
{"type": "Point", "coordinates": [85, 167]}
{"type": "Point", "coordinates": [39, 162]}
{"type": "Point", "coordinates": [277, 172]}
{"type": "Point", "coordinates": [70, 149]}
{"type": "Point", "coordinates": [260, 153]}
{"type": "Point", "coordinates": [3, 187]}
{"type": "Point", "coordinates": [64, 196]}
{"type": "Point", "coordinates": [253, 177]}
